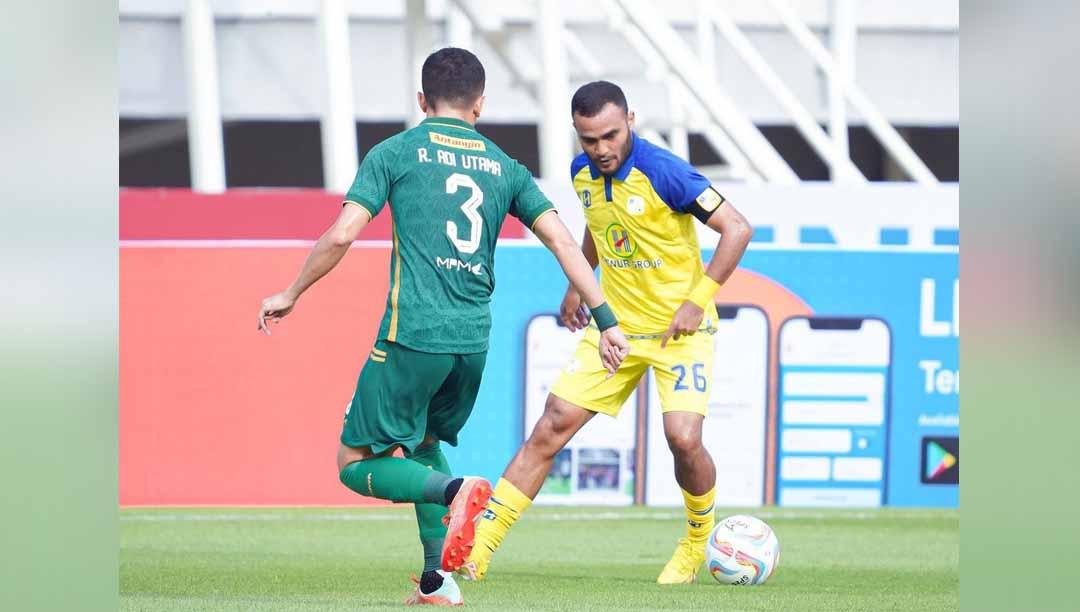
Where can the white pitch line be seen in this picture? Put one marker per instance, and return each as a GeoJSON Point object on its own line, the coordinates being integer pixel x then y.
{"type": "Point", "coordinates": [274, 243]}
{"type": "Point", "coordinates": [239, 243]}
{"type": "Point", "coordinates": [540, 516]}
{"type": "Point", "coordinates": [229, 518]}
{"type": "Point", "coordinates": [294, 243]}
{"type": "Point", "coordinates": [361, 517]}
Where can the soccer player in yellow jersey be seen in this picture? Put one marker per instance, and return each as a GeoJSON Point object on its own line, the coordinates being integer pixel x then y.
{"type": "Point", "coordinates": [640, 203]}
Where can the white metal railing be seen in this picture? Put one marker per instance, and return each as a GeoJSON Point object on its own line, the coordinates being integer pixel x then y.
{"type": "Point", "coordinates": [555, 139]}
{"type": "Point", "coordinates": [684, 113]}
{"type": "Point", "coordinates": [207, 152]}
{"type": "Point", "coordinates": [832, 148]}
{"type": "Point", "coordinates": [646, 21]}
{"type": "Point", "coordinates": [842, 31]}
{"type": "Point", "coordinates": [695, 103]}
{"type": "Point", "coordinates": [839, 162]}
{"type": "Point", "coordinates": [497, 41]}
{"type": "Point", "coordinates": [881, 128]}
{"type": "Point", "coordinates": [338, 126]}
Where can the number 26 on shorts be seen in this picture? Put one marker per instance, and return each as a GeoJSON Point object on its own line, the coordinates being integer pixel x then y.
{"type": "Point", "coordinates": [698, 373]}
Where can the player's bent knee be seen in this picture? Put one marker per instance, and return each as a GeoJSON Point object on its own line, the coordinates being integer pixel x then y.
{"type": "Point", "coordinates": [352, 454]}
{"type": "Point", "coordinates": [563, 415]}
{"type": "Point", "coordinates": [681, 442]}
{"type": "Point", "coordinates": [544, 440]}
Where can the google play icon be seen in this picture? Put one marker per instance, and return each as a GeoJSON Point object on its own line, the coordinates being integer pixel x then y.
{"type": "Point", "coordinates": [938, 460]}
{"type": "Point", "coordinates": [941, 460]}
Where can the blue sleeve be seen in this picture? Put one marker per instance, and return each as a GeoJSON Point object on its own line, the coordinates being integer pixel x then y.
{"type": "Point", "coordinates": [675, 181]}
{"type": "Point", "coordinates": [577, 164]}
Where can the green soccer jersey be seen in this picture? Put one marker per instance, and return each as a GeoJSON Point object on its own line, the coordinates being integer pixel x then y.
{"type": "Point", "coordinates": [449, 190]}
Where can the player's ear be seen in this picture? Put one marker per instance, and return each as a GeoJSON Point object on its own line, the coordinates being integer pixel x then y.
{"type": "Point", "coordinates": [630, 119]}
{"type": "Point", "coordinates": [478, 106]}
{"type": "Point", "coordinates": [421, 101]}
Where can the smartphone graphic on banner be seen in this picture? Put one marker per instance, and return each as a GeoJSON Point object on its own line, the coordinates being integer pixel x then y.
{"type": "Point", "coordinates": [597, 466]}
{"type": "Point", "coordinates": [734, 429]}
{"type": "Point", "coordinates": [833, 412]}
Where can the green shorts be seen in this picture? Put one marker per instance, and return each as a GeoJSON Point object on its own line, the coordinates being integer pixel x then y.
{"type": "Point", "coordinates": [403, 394]}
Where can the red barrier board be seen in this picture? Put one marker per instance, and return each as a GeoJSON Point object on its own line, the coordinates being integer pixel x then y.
{"type": "Point", "coordinates": [213, 412]}
{"type": "Point", "coordinates": [244, 214]}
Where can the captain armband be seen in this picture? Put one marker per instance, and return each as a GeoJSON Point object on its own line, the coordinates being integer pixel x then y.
{"type": "Point", "coordinates": [705, 204]}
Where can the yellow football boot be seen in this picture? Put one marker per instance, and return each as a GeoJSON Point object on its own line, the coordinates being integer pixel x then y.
{"type": "Point", "coordinates": [476, 565]}
{"type": "Point", "coordinates": [684, 564]}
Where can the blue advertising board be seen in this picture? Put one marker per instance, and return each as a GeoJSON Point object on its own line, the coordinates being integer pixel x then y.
{"type": "Point", "coordinates": [914, 292]}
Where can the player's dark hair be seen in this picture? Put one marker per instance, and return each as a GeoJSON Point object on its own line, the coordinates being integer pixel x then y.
{"type": "Point", "coordinates": [454, 76]}
{"type": "Point", "coordinates": [590, 98]}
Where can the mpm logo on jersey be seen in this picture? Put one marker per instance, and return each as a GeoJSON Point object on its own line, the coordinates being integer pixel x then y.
{"type": "Point", "coordinates": [586, 198]}
{"type": "Point", "coordinates": [941, 460]}
{"type": "Point", "coordinates": [619, 241]}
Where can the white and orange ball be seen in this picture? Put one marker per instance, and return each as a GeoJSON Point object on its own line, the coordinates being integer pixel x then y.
{"type": "Point", "coordinates": [742, 550]}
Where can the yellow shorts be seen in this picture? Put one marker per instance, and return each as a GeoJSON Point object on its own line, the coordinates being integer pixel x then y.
{"type": "Point", "coordinates": [682, 369]}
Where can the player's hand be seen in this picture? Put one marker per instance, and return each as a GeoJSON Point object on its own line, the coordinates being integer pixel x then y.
{"type": "Point", "coordinates": [572, 312]}
{"type": "Point", "coordinates": [274, 308]}
{"type": "Point", "coordinates": [686, 322]}
{"type": "Point", "coordinates": [613, 349]}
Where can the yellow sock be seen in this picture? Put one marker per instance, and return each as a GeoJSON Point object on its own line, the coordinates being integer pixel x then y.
{"type": "Point", "coordinates": [699, 515]}
{"type": "Point", "coordinates": [506, 505]}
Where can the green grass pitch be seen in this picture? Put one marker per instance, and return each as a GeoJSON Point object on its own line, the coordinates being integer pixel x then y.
{"type": "Point", "coordinates": [554, 559]}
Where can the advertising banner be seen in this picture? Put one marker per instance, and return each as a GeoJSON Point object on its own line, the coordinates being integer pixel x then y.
{"type": "Point", "coordinates": [597, 466]}
{"type": "Point", "coordinates": [836, 378]}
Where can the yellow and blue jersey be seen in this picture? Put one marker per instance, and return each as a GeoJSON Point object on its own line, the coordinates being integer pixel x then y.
{"type": "Point", "coordinates": [645, 238]}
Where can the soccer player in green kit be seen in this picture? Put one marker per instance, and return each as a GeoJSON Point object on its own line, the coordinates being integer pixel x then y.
{"type": "Point", "coordinates": [449, 190]}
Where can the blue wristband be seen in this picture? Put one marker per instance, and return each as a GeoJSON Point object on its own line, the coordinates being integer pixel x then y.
{"type": "Point", "coordinates": [604, 316]}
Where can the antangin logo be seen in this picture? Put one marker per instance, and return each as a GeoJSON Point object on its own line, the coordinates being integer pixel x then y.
{"type": "Point", "coordinates": [586, 198]}
{"type": "Point", "coordinates": [619, 241]}
{"type": "Point", "coordinates": [457, 143]}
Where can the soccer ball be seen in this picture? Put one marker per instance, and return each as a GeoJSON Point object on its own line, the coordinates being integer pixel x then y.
{"type": "Point", "coordinates": [742, 550]}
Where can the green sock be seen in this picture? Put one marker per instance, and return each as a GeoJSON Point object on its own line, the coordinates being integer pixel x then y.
{"type": "Point", "coordinates": [396, 479]}
{"type": "Point", "coordinates": [429, 516]}
{"type": "Point", "coordinates": [432, 551]}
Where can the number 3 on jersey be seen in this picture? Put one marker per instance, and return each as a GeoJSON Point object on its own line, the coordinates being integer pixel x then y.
{"type": "Point", "coordinates": [453, 182]}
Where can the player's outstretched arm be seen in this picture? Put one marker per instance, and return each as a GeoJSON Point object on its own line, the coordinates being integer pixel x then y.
{"type": "Point", "coordinates": [571, 312]}
{"type": "Point", "coordinates": [551, 231]}
{"type": "Point", "coordinates": [735, 233]}
{"type": "Point", "coordinates": [326, 254]}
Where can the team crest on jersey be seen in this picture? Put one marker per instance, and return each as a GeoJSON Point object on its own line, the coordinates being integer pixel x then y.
{"type": "Point", "coordinates": [619, 241]}
{"type": "Point", "coordinates": [586, 198]}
